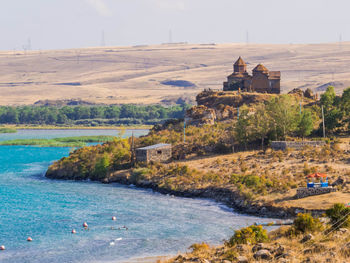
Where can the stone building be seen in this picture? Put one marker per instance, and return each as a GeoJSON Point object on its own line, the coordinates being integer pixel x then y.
{"type": "Point", "coordinates": [154, 153]}
{"type": "Point", "coordinates": [262, 80]}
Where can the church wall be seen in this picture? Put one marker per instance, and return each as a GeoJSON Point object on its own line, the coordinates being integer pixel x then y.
{"type": "Point", "coordinates": [260, 82]}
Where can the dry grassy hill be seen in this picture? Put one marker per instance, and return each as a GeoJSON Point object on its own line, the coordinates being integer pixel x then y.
{"type": "Point", "coordinates": [135, 74]}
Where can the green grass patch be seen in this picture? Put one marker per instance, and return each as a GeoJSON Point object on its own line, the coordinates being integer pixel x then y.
{"type": "Point", "coordinates": [60, 142]}
{"type": "Point", "coordinates": [7, 130]}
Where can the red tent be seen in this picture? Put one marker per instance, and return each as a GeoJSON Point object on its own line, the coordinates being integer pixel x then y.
{"type": "Point", "coordinates": [317, 175]}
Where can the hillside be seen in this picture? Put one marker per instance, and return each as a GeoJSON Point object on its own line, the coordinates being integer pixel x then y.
{"type": "Point", "coordinates": [151, 74]}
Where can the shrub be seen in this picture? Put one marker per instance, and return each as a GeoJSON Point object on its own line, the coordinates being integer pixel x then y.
{"type": "Point", "coordinates": [306, 169]}
{"type": "Point", "coordinates": [339, 216]}
{"type": "Point", "coordinates": [199, 248]}
{"type": "Point", "coordinates": [230, 255]}
{"type": "Point", "coordinates": [249, 235]}
{"type": "Point", "coordinates": [304, 223]}
{"type": "Point", "coordinates": [139, 174]}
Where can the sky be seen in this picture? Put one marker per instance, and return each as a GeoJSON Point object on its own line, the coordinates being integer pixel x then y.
{"type": "Point", "coordinates": [60, 24]}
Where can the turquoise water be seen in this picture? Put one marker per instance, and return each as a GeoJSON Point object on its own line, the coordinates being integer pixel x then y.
{"type": "Point", "coordinates": [47, 210]}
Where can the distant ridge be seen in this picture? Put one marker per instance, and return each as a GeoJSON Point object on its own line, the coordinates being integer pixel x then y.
{"type": "Point", "coordinates": [118, 75]}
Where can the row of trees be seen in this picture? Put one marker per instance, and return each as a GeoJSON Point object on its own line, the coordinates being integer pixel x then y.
{"type": "Point", "coordinates": [275, 120]}
{"type": "Point", "coordinates": [336, 110]}
{"type": "Point", "coordinates": [283, 116]}
{"type": "Point", "coordinates": [125, 114]}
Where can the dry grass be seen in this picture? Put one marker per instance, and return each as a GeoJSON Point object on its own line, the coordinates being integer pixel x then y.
{"type": "Point", "coordinates": [322, 248]}
{"type": "Point", "coordinates": [288, 167]}
{"type": "Point", "coordinates": [134, 74]}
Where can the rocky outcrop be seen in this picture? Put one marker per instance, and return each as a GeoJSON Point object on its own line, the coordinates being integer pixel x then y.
{"type": "Point", "coordinates": [213, 99]}
{"type": "Point", "coordinates": [263, 254]}
{"type": "Point", "coordinates": [220, 106]}
{"type": "Point", "coordinates": [200, 115]}
{"type": "Point", "coordinates": [308, 93]}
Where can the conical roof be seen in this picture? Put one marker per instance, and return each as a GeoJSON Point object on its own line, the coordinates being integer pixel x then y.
{"type": "Point", "coordinates": [260, 68]}
{"type": "Point", "coordinates": [239, 62]}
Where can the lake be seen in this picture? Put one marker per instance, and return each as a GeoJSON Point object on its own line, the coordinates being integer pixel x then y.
{"type": "Point", "coordinates": [48, 210]}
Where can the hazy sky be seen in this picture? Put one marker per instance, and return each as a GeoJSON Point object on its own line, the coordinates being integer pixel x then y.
{"type": "Point", "coordinates": [52, 24]}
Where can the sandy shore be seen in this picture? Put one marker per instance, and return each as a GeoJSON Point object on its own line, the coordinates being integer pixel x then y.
{"type": "Point", "coordinates": [146, 259]}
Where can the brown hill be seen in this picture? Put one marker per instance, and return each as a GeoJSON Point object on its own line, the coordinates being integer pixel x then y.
{"type": "Point", "coordinates": [150, 74]}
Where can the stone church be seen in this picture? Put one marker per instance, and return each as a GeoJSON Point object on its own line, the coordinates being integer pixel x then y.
{"type": "Point", "coordinates": [262, 81]}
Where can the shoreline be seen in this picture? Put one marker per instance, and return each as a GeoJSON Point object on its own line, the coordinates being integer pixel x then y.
{"type": "Point", "coordinates": [229, 197]}
{"type": "Point", "coordinates": [146, 259]}
{"type": "Point", "coordinates": [51, 127]}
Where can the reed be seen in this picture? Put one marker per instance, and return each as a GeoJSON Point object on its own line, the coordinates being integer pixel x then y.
{"type": "Point", "coordinates": [60, 142]}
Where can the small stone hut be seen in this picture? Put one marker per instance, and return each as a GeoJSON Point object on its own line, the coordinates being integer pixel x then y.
{"type": "Point", "coordinates": [154, 153]}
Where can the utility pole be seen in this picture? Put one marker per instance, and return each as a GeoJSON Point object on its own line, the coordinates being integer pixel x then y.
{"type": "Point", "coordinates": [324, 128]}
{"type": "Point", "coordinates": [247, 37]}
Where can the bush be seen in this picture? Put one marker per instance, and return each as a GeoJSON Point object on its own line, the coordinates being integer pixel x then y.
{"type": "Point", "coordinates": [230, 255]}
{"type": "Point", "coordinates": [339, 216]}
{"type": "Point", "coordinates": [249, 235]}
{"type": "Point", "coordinates": [304, 223]}
{"type": "Point", "coordinates": [200, 249]}
{"type": "Point", "coordinates": [139, 174]}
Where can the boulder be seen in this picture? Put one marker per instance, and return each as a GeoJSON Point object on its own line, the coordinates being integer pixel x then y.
{"type": "Point", "coordinates": [297, 91]}
{"type": "Point", "coordinates": [308, 94]}
{"type": "Point", "coordinates": [279, 250]}
{"type": "Point", "coordinates": [241, 248]}
{"type": "Point", "coordinates": [200, 115]}
{"type": "Point", "coordinates": [242, 259]}
{"type": "Point", "coordinates": [343, 230]}
{"type": "Point", "coordinates": [307, 238]}
{"type": "Point", "coordinates": [339, 181]}
{"type": "Point", "coordinates": [261, 246]}
{"type": "Point", "coordinates": [263, 254]}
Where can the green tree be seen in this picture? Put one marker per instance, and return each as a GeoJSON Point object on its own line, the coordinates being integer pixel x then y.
{"type": "Point", "coordinates": [332, 113]}
{"type": "Point", "coordinates": [242, 127]}
{"type": "Point", "coordinates": [284, 113]}
{"type": "Point", "coordinates": [345, 106]}
{"type": "Point", "coordinates": [304, 223]}
{"type": "Point", "coordinates": [261, 123]}
{"type": "Point", "coordinates": [339, 216]}
{"type": "Point", "coordinates": [101, 167]}
{"type": "Point", "coordinates": [328, 98]}
{"type": "Point", "coordinates": [305, 124]}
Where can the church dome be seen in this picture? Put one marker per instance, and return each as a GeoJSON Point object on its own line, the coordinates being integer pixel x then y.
{"type": "Point", "coordinates": [239, 62]}
{"type": "Point", "coordinates": [260, 68]}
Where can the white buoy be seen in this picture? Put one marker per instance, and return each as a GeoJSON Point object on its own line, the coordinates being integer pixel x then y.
{"type": "Point", "coordinates": [85, 225]}
{"type": "Point", "coordinates": [29, 239]}
{"type": "Point", "coordinates": [73, 231]}
{"type": "Point", "coordinates": [2, 247]}
{"type": "Point", "coordinates": [114, 218]}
